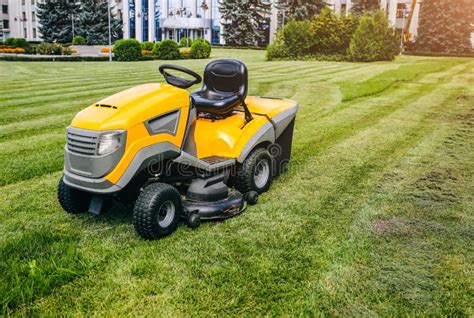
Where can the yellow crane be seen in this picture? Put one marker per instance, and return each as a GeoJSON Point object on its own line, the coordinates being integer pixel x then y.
{"type": "Point", "coordinates": [406, 31]}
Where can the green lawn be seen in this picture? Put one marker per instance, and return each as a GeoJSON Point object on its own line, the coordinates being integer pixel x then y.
{"type": "Point", "coordinates": [373, 217]}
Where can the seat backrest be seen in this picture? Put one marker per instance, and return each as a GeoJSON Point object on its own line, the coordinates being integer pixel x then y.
{"type": "Point", "coordinates": [226, 77]}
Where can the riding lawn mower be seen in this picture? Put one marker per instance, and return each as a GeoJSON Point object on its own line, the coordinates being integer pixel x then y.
{"type": "Point", "coordinates": [177, 156]}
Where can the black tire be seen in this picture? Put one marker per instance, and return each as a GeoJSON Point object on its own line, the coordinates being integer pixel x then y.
{"type": "Point", "coordinates": [72, 200]}
{"type": "Point", "coordinates": [152, 216]}
{"type": "Point", "coordinates": [244, 179]}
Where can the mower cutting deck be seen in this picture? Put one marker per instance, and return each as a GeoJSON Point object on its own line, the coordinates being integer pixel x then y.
{"type": "Point", "coordinates": [177, 155]}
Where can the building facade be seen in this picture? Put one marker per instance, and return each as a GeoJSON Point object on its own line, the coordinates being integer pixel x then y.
{"type": "Point", "coordinates": [19, 20]}
{"type": "Point", "coordinates": [156, 20]}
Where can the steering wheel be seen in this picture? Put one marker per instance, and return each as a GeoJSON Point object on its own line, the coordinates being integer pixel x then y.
{"type": "Point", "coordinates": [179, 81]}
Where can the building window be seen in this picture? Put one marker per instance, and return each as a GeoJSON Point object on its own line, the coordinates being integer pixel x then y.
{"type": "Point", "coordinates": [23, 16]}
{"type": "Point", "coordinates": [25, 33]}
{"type": "Point", "coordinates": [23, 2]}
{"type": "Point", "coordinates": [215, 35]}
{"type": "Point", "coordinates": [6, 24]}
{"type": "Point", "coordinates": [145, 20]}
{"type": "Point", "coordinates": [131, 19]}
{"type": "Point", "coordinates": [34, 33]}
{"type": "Point", "coordinates": [33, 16]}
{"type": "Point", "coordinates": [401, 10]}
{"type": "Point", "coordinates": [157, 20]}
{"type": "Point", "coordinates": [33, 2]}
{"type": "Point", "coordinates": [5, 9]}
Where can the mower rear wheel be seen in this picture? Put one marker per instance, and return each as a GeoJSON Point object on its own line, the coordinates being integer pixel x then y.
{"type": "Point", "coordinates": [157, 211]}
{"type": "Point", "coordinates": [255, 173]}
{"type": "Point", "coordinates": [72, 200]}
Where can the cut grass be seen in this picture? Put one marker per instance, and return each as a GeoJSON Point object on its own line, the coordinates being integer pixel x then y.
{"type": "Point", "coordinates": [373, 217]}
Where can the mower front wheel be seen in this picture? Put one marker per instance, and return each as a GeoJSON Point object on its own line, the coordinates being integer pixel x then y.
{"type": "Point", "coordinates": [72, 200]}
{"type": "Point", "coordinates": [157, 211]}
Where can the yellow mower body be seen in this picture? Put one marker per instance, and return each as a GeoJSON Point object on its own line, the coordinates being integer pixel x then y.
{"type": "Point", "coordinates": [131, 109]}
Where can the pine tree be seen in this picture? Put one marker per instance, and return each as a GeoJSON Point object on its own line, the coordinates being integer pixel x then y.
{"type": "Point", "coordinates": [93, 23]}
{"type": "Point", "coordinates": [55, 20]}
{"type": "Point", "coordinates": [360, 7]}
{"type": "Point", "coordinates": [300, 9]}
{"type": "Point", "coordinates": [243, 21]}
{"type": "Point", "coordinates": [445, 26]}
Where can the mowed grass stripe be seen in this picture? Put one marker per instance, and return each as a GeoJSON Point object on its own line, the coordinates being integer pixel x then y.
{"type": "Point", "coordinates": [50, 94]}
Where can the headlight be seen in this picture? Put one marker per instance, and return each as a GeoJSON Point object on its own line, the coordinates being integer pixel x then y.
{"type": "Point", "coordinates": [108, 143]}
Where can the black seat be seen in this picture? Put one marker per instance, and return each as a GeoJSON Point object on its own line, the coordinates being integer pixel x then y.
{"type": "Point", "coordinates": [224, 87]}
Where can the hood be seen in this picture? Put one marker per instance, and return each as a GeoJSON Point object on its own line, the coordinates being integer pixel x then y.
{"type": "Point", "coordinates": [131, 107]}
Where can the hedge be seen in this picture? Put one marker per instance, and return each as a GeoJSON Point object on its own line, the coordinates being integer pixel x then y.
{"type": "Point", "coordinates": [167, 50]}
{"type": "Point", "coordinates": [128, 50]}
{"type": "Point", "coordinates": [332, 37]}
{"type": "Point", "coordinates": [200, 49]}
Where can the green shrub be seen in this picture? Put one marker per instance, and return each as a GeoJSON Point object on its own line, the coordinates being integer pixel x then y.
{"type": "Point", "coordinates": [200, 49]}
{"type": "Point", "coordinates": [19, 42]}
{"type": "Point", "coordinates": [168, 50]}
{"type": "Point", "coordinates": [327, 33]}
{"type": "Point", "coordinates": [147, 46]}
{"type": "Point", "coordinates": [46, 48]}
{"type": "Point", "coordinates": [374, 39]}
{"type": "Point", "coordinates": [156, 47]}
{"type": "Point", "coordinates": [278, 49]}
{"type": "Point", "coordinates": [297, 38]}
{"type": "Point", "coordinates": [78, 40]}
{"type": "Point", "coordinates": [185, 42]}
{"type": "Point", "coordinates": [9, 42]}
{"type": "Point", "coordinates": [128, 50]}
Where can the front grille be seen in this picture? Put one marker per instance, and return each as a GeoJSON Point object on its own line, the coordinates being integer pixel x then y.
{"type": "Point", "coordinates": [81, 143]}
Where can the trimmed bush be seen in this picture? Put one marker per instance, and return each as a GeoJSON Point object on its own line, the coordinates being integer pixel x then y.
{"type": "Point", "coordinates": [127, 50]}
{"type": "Point", "coordinates": [200, 49]}
{"type": "Point", "coordinates": [19, 42]}
{"type": "Point", "coordinates": [168, 50]}
{"type": "Point", "coordinates": [374, 40]}
{"type": "Point", "coordinates": [297, 38]}
{"type": "Point", "coordinates": [78, 40]}
{"type": "Point", "coordinates": [156, 47]}
{"type": "Point", "coordinates": [9, 42]}
{"type": "Point", "coordinates": [49, 49]}
{"type": "Point", "coordinates": [327, 33]}
{"type": "Point", "coordinates": [147, 46]}
{"type": "Point", "coordinates": [278, 49]}
{"type": "Point", "coordinates": [185, 42]}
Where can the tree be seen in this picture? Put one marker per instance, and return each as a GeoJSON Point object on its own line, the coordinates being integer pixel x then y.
{"type": "Point", "coordinates": [374, 39]}
{"type": "Point", "coordinates": [93, 23]}
{"type": "Point", "coordinates": [445, 26]}
{"type": "Point", "coordinates": [359, 7]}
{"type": "Point", "coordinates": [55, 20]}
{"type": "Point", "coordinates": [243, 20]}
{"type": "Point", "coordinates": [300, 9]}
